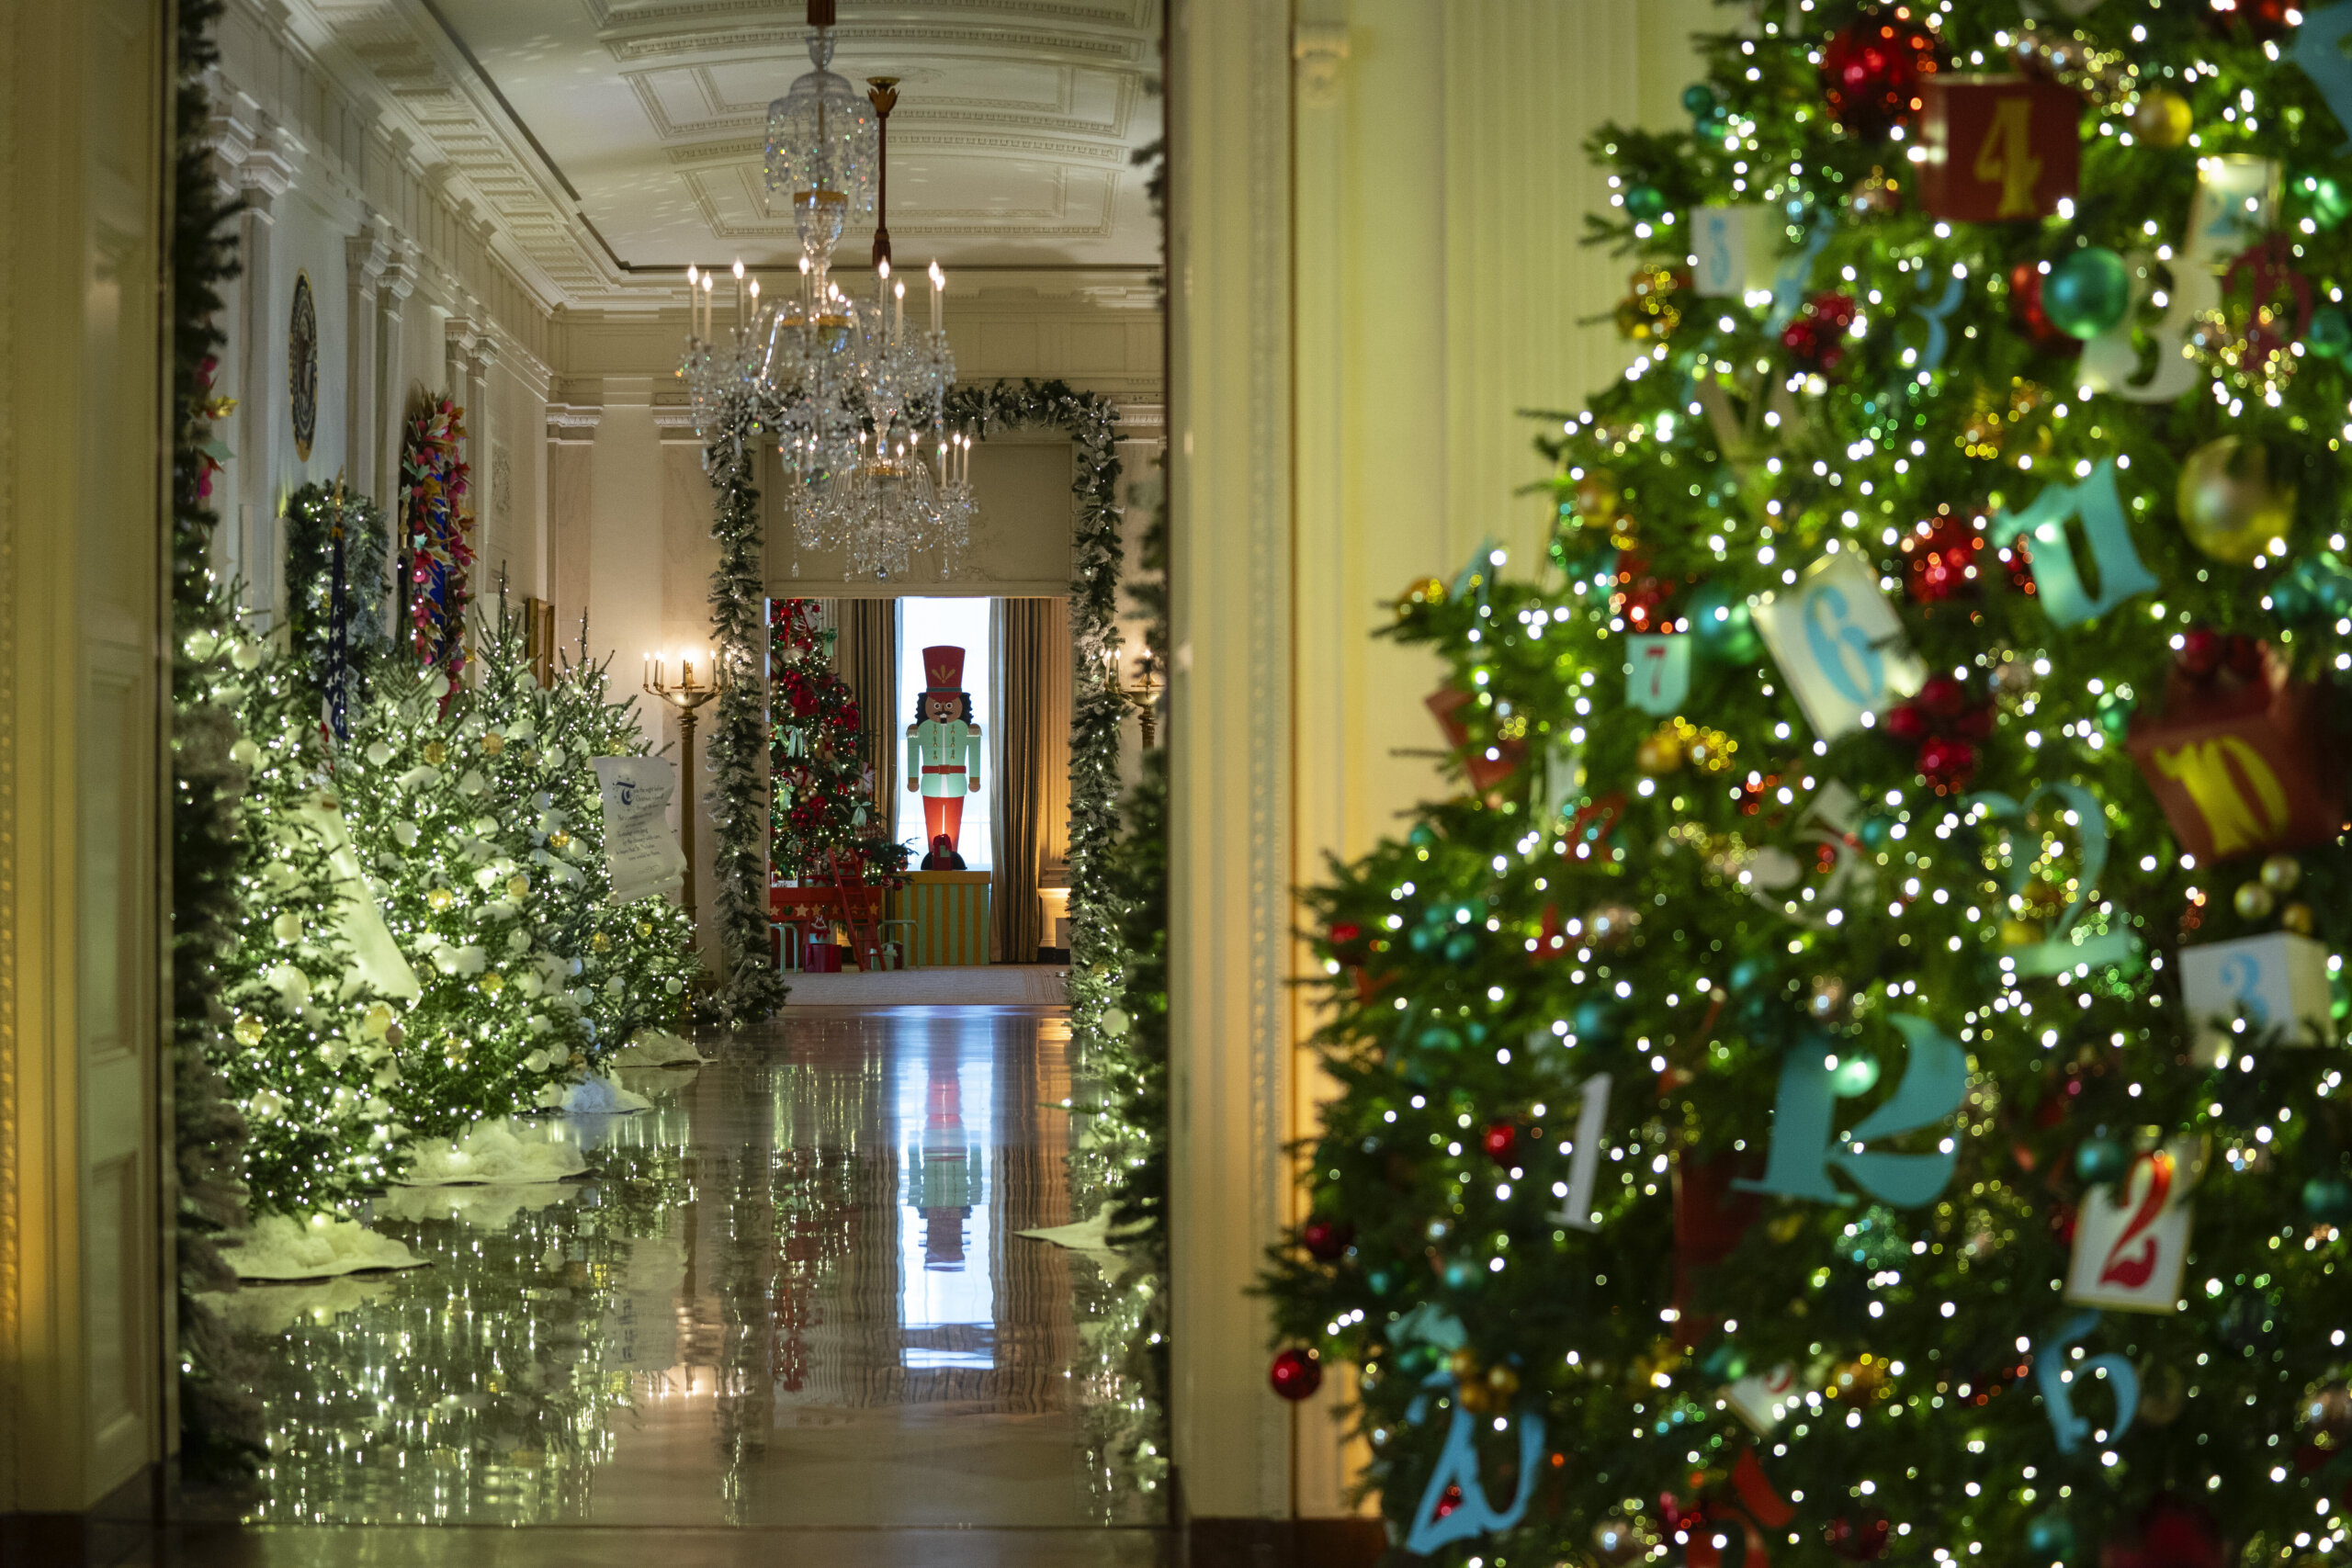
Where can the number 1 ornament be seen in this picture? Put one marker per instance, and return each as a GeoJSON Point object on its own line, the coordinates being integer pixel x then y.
{"type": "Point", "coordinates": [1838, 645]}
{"type": "Point", "coordinates": [2129, 1243]}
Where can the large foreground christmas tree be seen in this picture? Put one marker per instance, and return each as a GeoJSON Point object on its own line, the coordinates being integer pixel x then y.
{"type": "Point", "coordinates": [1859, 1073]}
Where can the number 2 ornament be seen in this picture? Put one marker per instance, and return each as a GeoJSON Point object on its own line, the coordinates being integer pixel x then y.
{"type": "Point", "coordinates": [1839, 645]}
{"type": "Point", "coordinates": [2130, 1241]}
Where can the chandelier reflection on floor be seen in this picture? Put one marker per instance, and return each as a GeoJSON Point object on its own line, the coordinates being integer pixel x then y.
{"type": "Point", "coordinates": [854, 401]}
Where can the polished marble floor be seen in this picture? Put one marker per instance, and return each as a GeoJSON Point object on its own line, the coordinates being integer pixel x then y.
{"type": "Point", "coordinates": [789, 1317]}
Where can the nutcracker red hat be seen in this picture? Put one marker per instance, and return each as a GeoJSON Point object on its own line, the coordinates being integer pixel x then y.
{"type": "Point", "coordinates": [944, 668]}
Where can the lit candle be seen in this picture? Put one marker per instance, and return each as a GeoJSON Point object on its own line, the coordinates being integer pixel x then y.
{"type": "Point", "coordinates": [706, 304]}
{"type": "Point", "coordinates": [739, 294]}
{"type": "Point", "coordinates": [691, 322]}
{"type": "Point", "coordinates": [898, 309]}
{"type": "Point", "coordinates": [938, 288]}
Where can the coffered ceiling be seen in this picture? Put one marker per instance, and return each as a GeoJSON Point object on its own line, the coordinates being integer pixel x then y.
{"type": "Point", "coordinates": [614, 141]}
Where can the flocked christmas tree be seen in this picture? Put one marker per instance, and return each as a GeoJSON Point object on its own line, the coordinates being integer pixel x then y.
{"type": "Point", "coordinates": [1859, 1073]}
{"type": "Point", "coordinates": [822, 823]}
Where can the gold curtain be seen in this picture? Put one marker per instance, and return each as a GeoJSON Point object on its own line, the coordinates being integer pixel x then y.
{"type": "Point", "coordinates": [865, 654]}
{"type": "Point", "coordinates": [1030, 652]}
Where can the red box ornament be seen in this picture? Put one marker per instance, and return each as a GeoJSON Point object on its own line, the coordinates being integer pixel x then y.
{"type": "Point", "coordinates": [1997, 148]}
{"type": "Point", "coordinates": [2242, 767]}
{"type": "Point", "coordinates": [1487, 766]}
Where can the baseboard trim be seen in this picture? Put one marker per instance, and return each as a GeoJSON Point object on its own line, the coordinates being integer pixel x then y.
{"type": "Point", "coordinates": [107, 1532]}
{"type": "Point", "coordinates": [1284, 1543]}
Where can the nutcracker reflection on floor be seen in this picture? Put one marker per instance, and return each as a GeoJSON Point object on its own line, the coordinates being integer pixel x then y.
{"type": "Point", "coordinates": [793, 1296]}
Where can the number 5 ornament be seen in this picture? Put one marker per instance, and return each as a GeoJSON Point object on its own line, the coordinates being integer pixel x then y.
{"type": "Point", "coordinates": [1934, 1082]}
{"type": "Point", "coordinates": [2130, 1243]}
{"type": "Point", "coordinates": [1838, 644]}
{"type": "Point", "coordinates": [2058, 1378]}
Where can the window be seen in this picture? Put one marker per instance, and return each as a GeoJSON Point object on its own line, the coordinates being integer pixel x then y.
{"type": "Point", "coordinates": [947, 623]}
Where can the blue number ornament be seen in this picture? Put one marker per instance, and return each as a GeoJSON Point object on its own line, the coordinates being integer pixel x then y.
{"type": "Point", "coordinates": [2064, 598]}
{"type": "Point", "coordinates": [1931, 357]}
{"type": "Point", "coordinates": [2051, 1366]}
{"type": "Point", "coordinates": [1457, 1466]}
{"type": "Point", "coordinates": [2318, 52]}
{"type": "Point", "coordinates": [2064, 949]}
{"type": "Point", "coordinates": [1794, 278]}
{"type": "Point", "coordinates": [1934, 1080]}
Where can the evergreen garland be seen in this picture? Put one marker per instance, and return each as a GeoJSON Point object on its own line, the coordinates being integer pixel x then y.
{"type": "Point", "coordinates": [749, 989]}
{"type": "Point", "coordinates": [221, 1428]}
{"type": "Point", "coordinates": [437, 529]}
{"type": "Point", "coordinates": [1097, 969]}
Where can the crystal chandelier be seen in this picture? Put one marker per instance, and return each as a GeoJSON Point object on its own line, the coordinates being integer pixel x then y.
{"type": "Point", "coordinates": [854, 401]}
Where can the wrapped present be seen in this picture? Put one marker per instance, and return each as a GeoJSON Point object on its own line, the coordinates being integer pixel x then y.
{"type": "Point", "coordinates": [2241, 766]}
{"type": "Point", "coordinates": [1997, 149]}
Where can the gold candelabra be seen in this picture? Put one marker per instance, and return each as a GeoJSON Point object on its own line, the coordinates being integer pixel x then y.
{"type": "Point", "coordinates": [1144, 696]}
{"type": "Point", "coordinates": [686, 696]}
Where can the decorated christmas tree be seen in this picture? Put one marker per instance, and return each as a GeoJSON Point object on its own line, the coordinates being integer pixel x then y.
{"type": "Point", "coordinates": [314, 989]}
{"type": "Point", "coordinates": [635, 958]}
{"type": "Point", "coordinates": [823, 824]}
{"type": "Point", "coordinates": [1854, 1073]}
{"type": "Point", "coordinates": [338, 558]}
{"type": "Point", "coordinates": [437, 534]}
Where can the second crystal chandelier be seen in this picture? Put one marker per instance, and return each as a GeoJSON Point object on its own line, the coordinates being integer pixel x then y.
{"type": "Point", "coordinates": [855, 402]}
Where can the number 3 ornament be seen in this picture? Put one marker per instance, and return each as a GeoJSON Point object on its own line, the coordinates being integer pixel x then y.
{"type": "Point", "coordinates": [1839, 645]}
{"type": "Point", "coordinates": [2130, 1243]}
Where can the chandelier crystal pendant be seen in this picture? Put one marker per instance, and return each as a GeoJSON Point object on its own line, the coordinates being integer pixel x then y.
{"type": "Point", "coordinates": [854, 401]}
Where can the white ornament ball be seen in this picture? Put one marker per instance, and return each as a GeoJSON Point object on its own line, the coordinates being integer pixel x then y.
{"type": "Point", "coordinates": [288, 927]}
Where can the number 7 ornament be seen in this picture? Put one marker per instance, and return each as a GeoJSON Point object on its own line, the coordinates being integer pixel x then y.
{"type": "Point", "coordinates": [1838, 645]}
{"type": "Point", "coordinates": [2130, 1243]}
{"type": "Point", "coordinates": [1657, 672]}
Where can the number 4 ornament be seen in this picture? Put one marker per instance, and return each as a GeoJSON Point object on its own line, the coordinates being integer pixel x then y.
{"type": "Point", "coordinates": [1838, 645]}
{"type": "Point", "coordinates": [1997, 149]}
{"type": "Point", "coordinates": [2130, 1243]}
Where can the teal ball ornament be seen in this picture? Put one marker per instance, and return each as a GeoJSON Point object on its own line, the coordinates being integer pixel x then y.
{"type": "Point", "coordinates": [1699, 100]}
{"type": "Point", "coordinates": [1853, 1076]}
{"type": "Point", "coordinates": [1720, 620]}
{"type": "Point", "coordinates": [2086, 293]}
{"type": "Point", "coordinates": [1745, 974]}
{"type": "Point", "coordinates": [2328, 1199]}
{"type": "Point", "coordinates": [2330, 333]}
{"type": "Point", "coordinates": [1459, 946]}
{"type": "Point", "coordinates": [2050, 1538]}
{"type": "Point", "coordinates": [2115, 715]}
{"type": "Point", "coordinates": [2330, 203]}
{"type": "Point", "coordinates": [1645, 203]}
{"type": "Point", "coordinates": [1379, 1281]}
{"type": "Point", "coordinates": [1461, 1277]}
{"type": "Point", "coordinates": [2101, 1160]}
{"type": "Point", "coordinates": [1875, 831]}
{"type": "Point", "coordinates": [1591, 1019]}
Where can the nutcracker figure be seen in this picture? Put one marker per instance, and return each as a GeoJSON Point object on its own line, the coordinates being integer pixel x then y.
{"type": "Point", "coordinates": [944, 746]}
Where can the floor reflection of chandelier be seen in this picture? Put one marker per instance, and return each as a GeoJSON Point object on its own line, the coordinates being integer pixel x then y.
{"type": "Point", "coordinates": [854, 401]}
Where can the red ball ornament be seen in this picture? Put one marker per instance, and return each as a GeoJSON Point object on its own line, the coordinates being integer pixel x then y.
{"type": "Point", "coordinates": [1943, 697]}
{"type": "Point", "coordinates": [1326, 1241]}
{"type": "Point", "coordinates": [1947, 761]}
{"type": "Point", "coordinates": [1296, 1374]}
{"type": "Point", "coordinates": [1906, 722]}
{"type": "Point", "coordinates": [1500, 1140]}
{"type": "Point", "coordinates": [2245, 658]}
{"type": "Point", "coordinates": [1815, 336]}
{"type": "Point", "coordinates": [1940, 558]}
{"type": "Point", "coordinates": [2201, 649]}
{"type": "Point", "coordinates": [2264, 20]}
{"type": "Point", "coordinates": [1870, 71]}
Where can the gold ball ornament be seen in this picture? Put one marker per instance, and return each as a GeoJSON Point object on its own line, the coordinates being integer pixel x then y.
{"type": "Point", "coordinates": [2229, 508]}
{"type": "Point", "coordinates": [2281, 873]}
{"type": "Point", "coordinates": [2021, 933]}
{"type": "Point", "coordinates": [2162, 118]}
{"type": "Point", "coordinates": [1463, 1365]}
{"type": "Point", "coordinates": [558, 840]}
{"type": "Point", "coordinates": [2253, 901]}
{"type": "Point", "coordinates": [1596, 500]}
{"type": "Point", "coordinates": [1660, 753]}
{"type": "Point", "coordinates": [2298, 918]}
{"type": "Point", "coordinates": [518, 886]}
{"type": "Point", "coordinates": [248, 1029]}
{"type": "Point", "coordinates": [435, 753]}
{"type": "Point", "coordinates": [492, 744]}
{"type": "Point", "coordinates": [378, 1021]}
{"type": "Point", "coordinates": [2327, 1412]}
{"type": "Point", "coordinates": [600, 943]}
{"type": "Point", "coordinates": [493, 983]}
{"type": "Point", "coordinates": [439, 898]}
{"type": "Point", "coordinates": [1420, 590]}
{"type": "Point", "coordinates": [1502, 1380]}
{"type": "Point", "coordinates": [2164, 1393]}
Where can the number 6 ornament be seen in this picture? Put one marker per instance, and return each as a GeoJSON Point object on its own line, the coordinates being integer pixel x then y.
{"type": "Point", "coordinates": [1838, 644]}
{"type": "Point", "coordinates": [2058, 1379]}
{"type": "Point", "coordinates": [2130, 1243]}
{"type": "Point", "coordinates": [1934, 1082]}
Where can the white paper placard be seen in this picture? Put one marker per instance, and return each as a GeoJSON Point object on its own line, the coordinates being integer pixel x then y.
{"type": "Point", "coordinates": [1838, 645]}
{"type": "Point", "coordinates": [1657, 671]}
{"type": "Point", "coordinates": [2129, 1248]}
{"type": "Point", "coordinates": [2279, 980]}
{"type": "Point", "coordinates": [1730, 253]}
{"type": "Point", "coordinates": [640, 851]}
{"type": "Point", "coordinates": [1760, 1399]}
{"type": "Point", "coordinates": [358, 918]}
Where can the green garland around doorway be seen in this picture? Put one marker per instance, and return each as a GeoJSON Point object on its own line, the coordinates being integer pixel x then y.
{"type": "Point", "coordinates": [749, 988]}
{"type": "Point", "coordinates": [220, 1426]}
{"type": "Point", "coordinates": [1097, 959]}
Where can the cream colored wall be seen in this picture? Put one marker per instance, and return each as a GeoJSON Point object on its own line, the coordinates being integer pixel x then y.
{"type": "Point", "coordinates": [1378, 205]}
{"type": "Point", "coordinates": [83, 1255]}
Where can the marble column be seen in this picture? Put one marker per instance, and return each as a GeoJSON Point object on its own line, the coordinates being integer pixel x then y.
{"type": "Point", "coordinates": [490, 542]}
{"type": "Point", "coordinates": [262, 176]}
{"type": "Point", "coordinates": [365, 257]}
{"type": "Point", "coordinates": [398, 283]}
